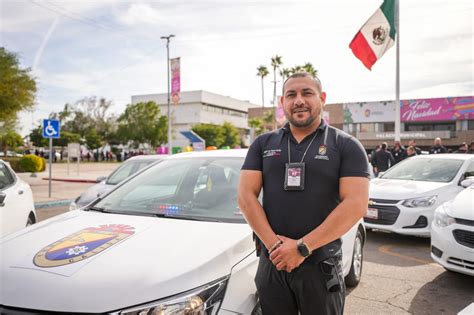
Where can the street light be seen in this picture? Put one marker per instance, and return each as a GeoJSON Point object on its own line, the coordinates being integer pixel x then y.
{"type": "Point", "coordinates": [169, 110]}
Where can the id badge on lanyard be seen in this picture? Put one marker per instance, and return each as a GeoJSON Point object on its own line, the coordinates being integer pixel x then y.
{"type": "Point", "coordinates": [294, 176]}
{"type": "Point", "coordinates": [294, 172]}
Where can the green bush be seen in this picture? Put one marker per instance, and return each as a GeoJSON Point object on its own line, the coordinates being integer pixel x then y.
{"type": "Point", "coordinates": [14, 162]}
{"type": "Point", "coordinates": [31, 163]}
{"type": "Point", "coordinates": [43, 164]}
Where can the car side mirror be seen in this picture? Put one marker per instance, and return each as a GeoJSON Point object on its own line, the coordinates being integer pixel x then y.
{"type": "Point", "coordinates": [101, 178]}
{"type": "Point", "coordinates": [2, 198]}
{"type": "Point", "coordinates": [467, 181]}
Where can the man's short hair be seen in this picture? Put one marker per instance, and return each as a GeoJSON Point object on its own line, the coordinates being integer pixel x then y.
{"type": "Point", "coordinates": [384, 145]}
{"type": "Point", "coordinates": [304, 74]}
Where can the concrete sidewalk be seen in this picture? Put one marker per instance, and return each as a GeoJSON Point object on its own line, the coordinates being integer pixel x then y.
{"type": "Point", "coordinates": [65, 187]}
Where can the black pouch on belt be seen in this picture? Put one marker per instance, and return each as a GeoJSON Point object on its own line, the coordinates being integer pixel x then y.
{"type": "Point", "coordinates": [331, 276]}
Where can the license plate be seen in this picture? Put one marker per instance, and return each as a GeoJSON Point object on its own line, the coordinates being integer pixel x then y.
{"type": "Point", "coordinates": [372, 213]}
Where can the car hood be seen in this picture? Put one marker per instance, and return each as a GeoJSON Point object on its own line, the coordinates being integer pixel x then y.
{"type": "Point", "coordinates": [396, 189]}
{"type": "Point", "coordinates": [158, 257]}
{"type": "Point", "coordinates": [92, 193]}
{"type": "Point", "coordinates": [463, 205]}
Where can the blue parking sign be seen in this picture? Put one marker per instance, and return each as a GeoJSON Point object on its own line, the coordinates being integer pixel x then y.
{"type": "Point", "coordinates": [51, 128]}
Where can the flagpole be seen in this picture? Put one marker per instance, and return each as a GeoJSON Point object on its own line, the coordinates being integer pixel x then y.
{"type": "Point", "coordinates": [397, 78]}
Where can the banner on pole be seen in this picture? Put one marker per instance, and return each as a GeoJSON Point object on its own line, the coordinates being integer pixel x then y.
{"type": "Point", "coordinates": [175, 80]}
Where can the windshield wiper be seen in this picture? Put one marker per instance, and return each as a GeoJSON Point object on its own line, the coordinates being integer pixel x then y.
{"type": "Point", "coordinates": [98, 209]}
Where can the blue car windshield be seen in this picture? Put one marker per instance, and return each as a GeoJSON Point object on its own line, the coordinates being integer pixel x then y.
{"type": "Point", "coordinates": [186, 188]}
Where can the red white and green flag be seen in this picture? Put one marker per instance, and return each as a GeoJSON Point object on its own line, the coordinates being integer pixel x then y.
{"type": "Point", "coordinates": [376, 36]}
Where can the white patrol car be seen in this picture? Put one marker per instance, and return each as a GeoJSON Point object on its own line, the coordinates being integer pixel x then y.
{"type": "Point", "coordinates": [168, 240]}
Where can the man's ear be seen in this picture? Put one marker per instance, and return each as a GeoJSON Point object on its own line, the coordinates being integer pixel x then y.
{"type": "Point", "coordinates": [322, 97]}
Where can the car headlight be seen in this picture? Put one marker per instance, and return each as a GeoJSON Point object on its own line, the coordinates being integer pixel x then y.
{"type": "Point", "coordinates": [420, 202]}
{"type": "Point", "coordinates": [203, 300]}
{"type": "Point", "coordinates": [441, 217]}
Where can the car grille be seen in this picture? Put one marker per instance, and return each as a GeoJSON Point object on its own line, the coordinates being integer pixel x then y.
{"type": "Point", "coordinates": [387, 215]}
{"type": "Point", "coordinates": [422, 222]}
{"type": "Point", "coordinates": [385, 201]}
{"type": "Point", "coordinates": [465, 222]}
{"type": "Point", "coordinates": [464, 237]}
{"type": "Point", "coordinates": [461, 263]}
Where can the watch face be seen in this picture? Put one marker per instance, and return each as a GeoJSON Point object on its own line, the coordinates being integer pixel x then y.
{"type": "Point", "coordinates": [303, 250]}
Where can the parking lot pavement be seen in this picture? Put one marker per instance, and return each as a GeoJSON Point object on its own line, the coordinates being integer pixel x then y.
{"type": "Point", "coordinates": [64, 186]}
{"type": "Point", "coordinates": [399, 277]}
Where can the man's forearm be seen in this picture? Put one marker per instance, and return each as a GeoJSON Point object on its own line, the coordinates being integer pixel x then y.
{"type": "Point", "coordinates": [256, 218]}
{"type": "Point", "coordinates": [341, 219]}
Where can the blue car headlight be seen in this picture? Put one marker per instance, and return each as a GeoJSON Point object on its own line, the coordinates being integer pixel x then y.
{"type": "Point", "coordinates": [203, 300]}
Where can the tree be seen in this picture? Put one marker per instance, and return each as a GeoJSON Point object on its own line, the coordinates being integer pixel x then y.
{"type": "Point", "coordinates": [36, 137]}
{"type": "Point", "coordinates": [257, 124]}
{"type": "Point", "coordinates": [92, 140]}
{"type": "Point", "coordinates": [212, 134]}
{"type": "Point", "coordinates": [276, 63]}
{"type": "Point", "coordinates": [231, 135]}
{"type": "Point", "coordinates": [10, 140]}
{"type": "Point", "coordinates": [262, 72]}
{"type": "Point", "coordinates": [65, 138]}
{"type": "Point", "coordinates": [142, 123]}
{"type": "Point", "coordinates": [308, 67]}
{"type": "Point", "coordinates": [285, 73]}
{"type": "Point", "coordinates": [17, 86]}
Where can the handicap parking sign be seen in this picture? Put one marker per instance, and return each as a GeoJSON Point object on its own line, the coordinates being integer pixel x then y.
{"type": "Point", "coordinates": [51, 128]}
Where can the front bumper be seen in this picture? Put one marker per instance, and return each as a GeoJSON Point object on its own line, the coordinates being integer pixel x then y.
{"type": "Point", "coordinates": [451, 253]}
{"type": "Point", "coordinates": [394, 217]}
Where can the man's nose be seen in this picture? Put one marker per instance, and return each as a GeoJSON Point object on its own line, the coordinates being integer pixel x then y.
{"type": "Point", "coordinates": [299, 99]}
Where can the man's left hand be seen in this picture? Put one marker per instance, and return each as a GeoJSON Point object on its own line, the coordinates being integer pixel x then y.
{"type": "Point", "coordinates": [286, 257]}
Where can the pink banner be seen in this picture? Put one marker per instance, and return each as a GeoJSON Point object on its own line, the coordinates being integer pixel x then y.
{"type": "Point", "coordinates": [175, 80]}
{"type": "Point", "coordinates": [437, 109]}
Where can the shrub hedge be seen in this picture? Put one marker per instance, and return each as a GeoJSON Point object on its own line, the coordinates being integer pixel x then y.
{"type": "Point", "coordinates": [31, 163]}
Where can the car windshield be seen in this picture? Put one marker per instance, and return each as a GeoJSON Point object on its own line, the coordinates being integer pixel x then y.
{"type": "Point", "coordinates": [186, 188]}
{"type": "Point", "coordinates": [126, 169]}
{"type": "Point", "coordinates": [426, 169]}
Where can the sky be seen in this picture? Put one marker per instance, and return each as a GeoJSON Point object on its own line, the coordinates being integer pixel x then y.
{"type": "Point", "coordinates": [112, 48]}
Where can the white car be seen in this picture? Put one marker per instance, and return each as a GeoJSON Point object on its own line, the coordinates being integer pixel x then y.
{"type": "Point", "coordinates": [107, 183]}
{"type": "Point", "coordinates": [168, 240]}
{"type": "Point", "coordinates": [17, 208]}
{"type": "Point", "coordinates": [452, 232]}
{"type": "Point", "coordinates": [404, 198]}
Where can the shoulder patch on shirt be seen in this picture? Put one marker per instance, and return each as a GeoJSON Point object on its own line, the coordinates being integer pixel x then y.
{"type": "Point", "coordinates": [271, 152]}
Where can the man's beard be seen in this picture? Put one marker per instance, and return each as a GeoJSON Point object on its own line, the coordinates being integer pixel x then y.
{"type": "Point", "coordinates": [300, 124]}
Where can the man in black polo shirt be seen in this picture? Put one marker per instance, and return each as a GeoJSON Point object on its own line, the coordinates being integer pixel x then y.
{"type": "Point", "coordinates": [315, 188]}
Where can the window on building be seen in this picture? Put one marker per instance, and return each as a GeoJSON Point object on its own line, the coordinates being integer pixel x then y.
{"type": "Point", "coordinates": [369, 127]}
{"type": "Point", "coordinates": [470, 125]}
{"type": "Point", "coordinates": [388, 127]}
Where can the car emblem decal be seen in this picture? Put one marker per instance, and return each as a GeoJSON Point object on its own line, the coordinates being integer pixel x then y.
{"type": "Point", "coordinates": [82, 245]}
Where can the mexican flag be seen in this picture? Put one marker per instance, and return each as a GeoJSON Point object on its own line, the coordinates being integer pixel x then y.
{"type": "Point", "coordinates": [376, 36]}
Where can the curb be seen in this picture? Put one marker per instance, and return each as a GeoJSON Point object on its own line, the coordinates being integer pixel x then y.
{"type": "Point", "coordinates": [72, 180]}
{"type": "Point", "coordinates": [50, 204]}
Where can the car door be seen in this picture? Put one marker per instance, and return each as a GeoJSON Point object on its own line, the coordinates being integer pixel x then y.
{"type": "Point", "coordinates": [14, 209]}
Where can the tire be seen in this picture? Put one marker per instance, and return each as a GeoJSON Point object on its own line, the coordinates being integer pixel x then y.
{"type": "Point", "coordinates": [30, 221]}
{"type": "Point", "coordinates": [355, 273]}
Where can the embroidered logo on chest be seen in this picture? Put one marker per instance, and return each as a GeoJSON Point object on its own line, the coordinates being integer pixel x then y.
{"type": "Point", "coordinates": [322, 153]}
{"type": "Point", "coordinates": [271, 152]}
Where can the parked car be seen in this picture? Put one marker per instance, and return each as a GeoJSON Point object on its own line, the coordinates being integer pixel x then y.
{"type": "Point", "coordinates": [404, 198]}
{"type": "Point", "coordinates": [17, 208]}
{"type": "Point", "coordinates": [452, 231]}
{"type": "Point", "coordinates": [168, 240]}
{"type": "Point", "coordinates": [106, 183]}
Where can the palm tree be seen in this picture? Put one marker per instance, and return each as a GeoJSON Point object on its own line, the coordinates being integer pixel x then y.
{"type": "Point", "coordinates": [308, 67]}
{"type": "Point", "coordinates": [276, 63]}
{"type": "Point", "coordinates": [262, 72]}
{"type": "Point", "coordinates": [285, 73]}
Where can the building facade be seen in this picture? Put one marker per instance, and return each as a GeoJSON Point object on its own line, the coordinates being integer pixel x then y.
{"type": "Point", "coordinates": [200, 107]}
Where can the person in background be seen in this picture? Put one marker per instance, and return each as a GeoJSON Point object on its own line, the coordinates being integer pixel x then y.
{"type": "Point", "coordinates": [382, 159]}
{"type": "Point", "coordinates": [411, 151]}
{"type": "Point", "coordinates": [412, 143]}
{"type": "Point", "coordinates": [398, 152]}
{"type": "Point", "coordinates": [471, 149]}
{"type": "Point", "coordinates": [438, 148]}
{"type": "Point", "coordinates": [462, 148]}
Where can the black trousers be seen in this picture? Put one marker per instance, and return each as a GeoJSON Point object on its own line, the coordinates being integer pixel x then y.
{"type": "Point", "coordinates": [311, 289]}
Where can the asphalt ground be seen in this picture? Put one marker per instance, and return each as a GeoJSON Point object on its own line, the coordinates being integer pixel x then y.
{"type": "Point", "coordinates": [398, 277]}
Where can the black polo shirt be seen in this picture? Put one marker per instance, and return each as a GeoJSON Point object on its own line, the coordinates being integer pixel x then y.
{"type": "Point", "coordinates": [332, 155]}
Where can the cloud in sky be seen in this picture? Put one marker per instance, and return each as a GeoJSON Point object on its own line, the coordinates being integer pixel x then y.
{"type": "Point", "coordinates": [112, 49]}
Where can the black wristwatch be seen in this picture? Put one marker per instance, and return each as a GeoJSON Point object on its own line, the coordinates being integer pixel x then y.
{"type": "Point", "coordinates": [303, 248]}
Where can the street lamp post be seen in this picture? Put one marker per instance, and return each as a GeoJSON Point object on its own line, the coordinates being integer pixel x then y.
{"type": "Point", "coordinates": [169, 110]}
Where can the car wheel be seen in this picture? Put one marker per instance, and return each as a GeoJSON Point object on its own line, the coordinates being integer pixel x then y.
{"type": "Point", "coordinates": [30, 221]}
{"type": "Point", "coordinates": [353, 278]}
